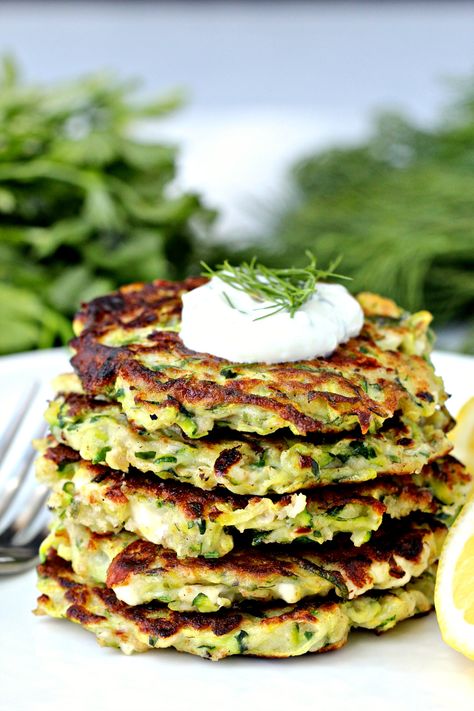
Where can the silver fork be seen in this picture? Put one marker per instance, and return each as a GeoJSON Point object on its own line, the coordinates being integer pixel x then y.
{"type": "Point", "coordinates": [22, 510]}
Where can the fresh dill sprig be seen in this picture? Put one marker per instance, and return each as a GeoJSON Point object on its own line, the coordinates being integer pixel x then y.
{"type": "Point", "coordinates": [285, 289]}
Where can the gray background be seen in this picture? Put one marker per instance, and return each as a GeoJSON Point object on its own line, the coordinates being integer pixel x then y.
{"type": "Point", "coordinates": [334, 56]}
{"type": "Point", "coordinates": [267, 81]}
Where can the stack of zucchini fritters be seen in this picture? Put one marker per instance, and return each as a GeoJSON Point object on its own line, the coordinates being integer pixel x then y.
{"type": "Point", "coordinates": [225, 508]}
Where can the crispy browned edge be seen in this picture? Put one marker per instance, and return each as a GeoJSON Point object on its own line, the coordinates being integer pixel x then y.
{"type": "Point", "coordinates": [78, 404]}
{"type": "Point", "coordinates": [144, 616]}
{"type": "Point", "coordinates": [198, 503]}
{"type": "Point", "coordinates": [137, 305]}
{"type": "Point", "coordinates": [150, 622]}
{"type": "Point", "coordinates": [396, 539]}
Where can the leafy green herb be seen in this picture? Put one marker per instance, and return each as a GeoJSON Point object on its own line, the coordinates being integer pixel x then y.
{"type": "Point", "coordinates": [386, 622]}
{"type": "Point", "coordinates": [335, 510]}
{"type": "Point", "coordinates": [398, 206]}
{"type": "Point", "coordinates": [286, 289]}
{"type": "Point", "coordinates": [306, 539]}
{"type": "Point", "coordinates": [356, 449]}
{"type": "Point", "coordinates": [84, 206]}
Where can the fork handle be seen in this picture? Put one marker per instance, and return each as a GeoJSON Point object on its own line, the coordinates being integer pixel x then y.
{"type": "Point", "coordinates": [10, 564]}
{"type": "Point", "coordinates": [19, 553]}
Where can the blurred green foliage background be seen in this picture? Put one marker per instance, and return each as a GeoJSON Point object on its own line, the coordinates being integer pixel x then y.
{"type": "Point", "coordinates": [84, 207]}
{"type": "Point", "coordinates": [399, 208]}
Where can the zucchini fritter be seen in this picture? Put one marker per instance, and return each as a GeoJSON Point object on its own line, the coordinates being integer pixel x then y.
{"type": "Point", "coordinates": [193, 522]}
{"type": "Point", "coordinates": [285, 631]}
{"type": "Point", "coordinates": [139, 571]}
{"type": "Point", "coordinates": [245, 464]}
{"type": "Point", "coordinates": [128, 349]}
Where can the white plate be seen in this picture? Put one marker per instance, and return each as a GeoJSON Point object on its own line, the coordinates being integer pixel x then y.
{"type": "Point", "coordinates": [48, 664]}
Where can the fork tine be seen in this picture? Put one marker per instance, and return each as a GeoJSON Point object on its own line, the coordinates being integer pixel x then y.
{"type": "Point", "coordinates": [22, 512]}
{"type": "Point", "coordinates": [19, 559]}
{"type": "Point", "coordinates": [18, 416]}
{"type": "Point", "coordinates": [21, 550]}
{"type": "Point", "coordinates": [18, 475]}
{"type": "Point", "coordinates": [18, 459]}
{"type": "Point", "coordinates": [13, 483]}
{"type": "Point", "coordinates": [24, 522]}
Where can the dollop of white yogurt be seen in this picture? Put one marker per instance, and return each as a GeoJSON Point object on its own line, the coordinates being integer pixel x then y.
{"type": "Point", "coordinates": [221, 320]}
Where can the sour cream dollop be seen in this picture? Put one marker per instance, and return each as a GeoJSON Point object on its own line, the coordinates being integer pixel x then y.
{"type": "Point", "coordinates": [221, 320]}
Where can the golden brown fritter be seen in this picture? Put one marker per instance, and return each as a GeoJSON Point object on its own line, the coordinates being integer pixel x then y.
{"type": "Point", "coordinates": [139, 571]}
{"type": "Point", "coordinates": [311, 626]}
{"type": "Point", "coordinates": [129, 349]}
{"type": "Point", "coordinates": [244, 463]}
{"type": "Point", "coordinates": [194, 522]}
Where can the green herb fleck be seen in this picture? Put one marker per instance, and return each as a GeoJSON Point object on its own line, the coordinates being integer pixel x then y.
{"type": "Point", "coordinates": [100, 456]}
{"type": "Point", "coordinates": [388, 621]}
{"type": "Point", "coordinates": [241, 641]}
{"type": "Point", "coordinates": [259, 538]}
{"type": "Point", "coordinates": [229, 373]}
{"type": "Point", "coordinates": [202, 526]}
{"type": "Point", "coordinates": [145, 455]}
{"type": "Point", "coordinates": [362, 450]}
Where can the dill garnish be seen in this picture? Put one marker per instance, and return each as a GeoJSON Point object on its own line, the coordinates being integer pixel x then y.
{"type": "Point", "coordinates": [285, 289]}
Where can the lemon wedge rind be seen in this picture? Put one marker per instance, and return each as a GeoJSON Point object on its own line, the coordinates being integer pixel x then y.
{"type": "Point", "coordinates": [454, 592]}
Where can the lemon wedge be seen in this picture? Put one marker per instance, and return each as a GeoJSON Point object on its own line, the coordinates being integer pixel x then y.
{"type": "Point", "coordinates": [454, 592]}
{"type": "Point", "coordinates": [462, 435]}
